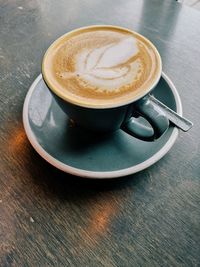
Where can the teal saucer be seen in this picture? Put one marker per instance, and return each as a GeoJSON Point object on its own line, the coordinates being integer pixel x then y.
{"type": "Point", "coordinates": [79, 152]}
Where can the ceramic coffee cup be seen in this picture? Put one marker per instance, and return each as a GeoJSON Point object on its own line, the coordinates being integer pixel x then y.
{"type": "Point", "coordinates": [101, 76]}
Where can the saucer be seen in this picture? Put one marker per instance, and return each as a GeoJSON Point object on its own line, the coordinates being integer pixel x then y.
{"type": "Point", "coordinates": [82, 153]}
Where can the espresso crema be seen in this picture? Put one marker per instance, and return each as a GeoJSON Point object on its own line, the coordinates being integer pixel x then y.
{"type": "Point", "coordinates": [101, 66]}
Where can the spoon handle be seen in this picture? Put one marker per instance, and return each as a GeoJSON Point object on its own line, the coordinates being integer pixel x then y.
{"type": "Point", "coordinates": [181, 122]}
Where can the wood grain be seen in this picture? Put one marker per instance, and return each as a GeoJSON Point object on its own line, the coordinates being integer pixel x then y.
{"type": "Point", "coordinates": [48, 218]}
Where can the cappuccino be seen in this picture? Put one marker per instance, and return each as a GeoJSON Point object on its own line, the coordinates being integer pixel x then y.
{"type": "Point", "coordinates": [101, 66]}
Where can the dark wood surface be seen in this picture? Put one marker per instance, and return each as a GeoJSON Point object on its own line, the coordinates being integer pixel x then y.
{"type": "Point", "coordinates": [49, 218]}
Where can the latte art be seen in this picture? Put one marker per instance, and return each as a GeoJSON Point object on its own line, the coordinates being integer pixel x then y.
{"type": "Point", "coordinates": [100, 66]}
{"type": "Point", "coordinates": [110, 67]}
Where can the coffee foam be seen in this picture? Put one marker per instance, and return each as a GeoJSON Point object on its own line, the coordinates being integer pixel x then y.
{"type": "Point", "coordinates": [108, 68]}
{"type": "Point", "coordinates": [101, 66]}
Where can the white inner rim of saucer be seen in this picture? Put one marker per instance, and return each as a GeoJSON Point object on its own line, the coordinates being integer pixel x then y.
{"type": "Point", "coordinates": [105, 174]}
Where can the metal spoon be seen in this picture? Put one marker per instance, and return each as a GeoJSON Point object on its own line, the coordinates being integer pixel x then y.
{"type": "Point", "coordinates": [181, 122]}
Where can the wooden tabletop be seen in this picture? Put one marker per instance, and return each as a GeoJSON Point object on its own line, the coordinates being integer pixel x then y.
{"type": "Point", "coordinates": [49, 218]}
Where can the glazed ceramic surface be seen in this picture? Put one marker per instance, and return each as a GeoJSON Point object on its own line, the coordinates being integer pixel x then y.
{"type": "Point", "coordinates": [84, 153]}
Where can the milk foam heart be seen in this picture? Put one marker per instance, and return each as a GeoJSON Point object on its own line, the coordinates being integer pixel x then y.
{"type": "Point", "coordinates": [101, 66]}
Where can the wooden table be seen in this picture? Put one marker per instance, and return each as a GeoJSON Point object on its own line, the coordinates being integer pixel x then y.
{"type": "Point", "coordinates": [49, 218]}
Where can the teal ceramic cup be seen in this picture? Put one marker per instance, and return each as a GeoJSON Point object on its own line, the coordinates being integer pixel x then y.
{"type": "Point", "coordinates": [122, 115]}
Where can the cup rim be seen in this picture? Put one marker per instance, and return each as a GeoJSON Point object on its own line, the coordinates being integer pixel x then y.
{"type": "Point", "coordinates": [138, 96]}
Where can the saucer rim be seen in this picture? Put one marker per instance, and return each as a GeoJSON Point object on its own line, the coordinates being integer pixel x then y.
{"type": "Point", "coordinates": [99, 174]}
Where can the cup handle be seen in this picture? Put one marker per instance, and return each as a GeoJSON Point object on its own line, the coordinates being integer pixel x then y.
{"type": "Point", "coordinates": [153, 114]}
